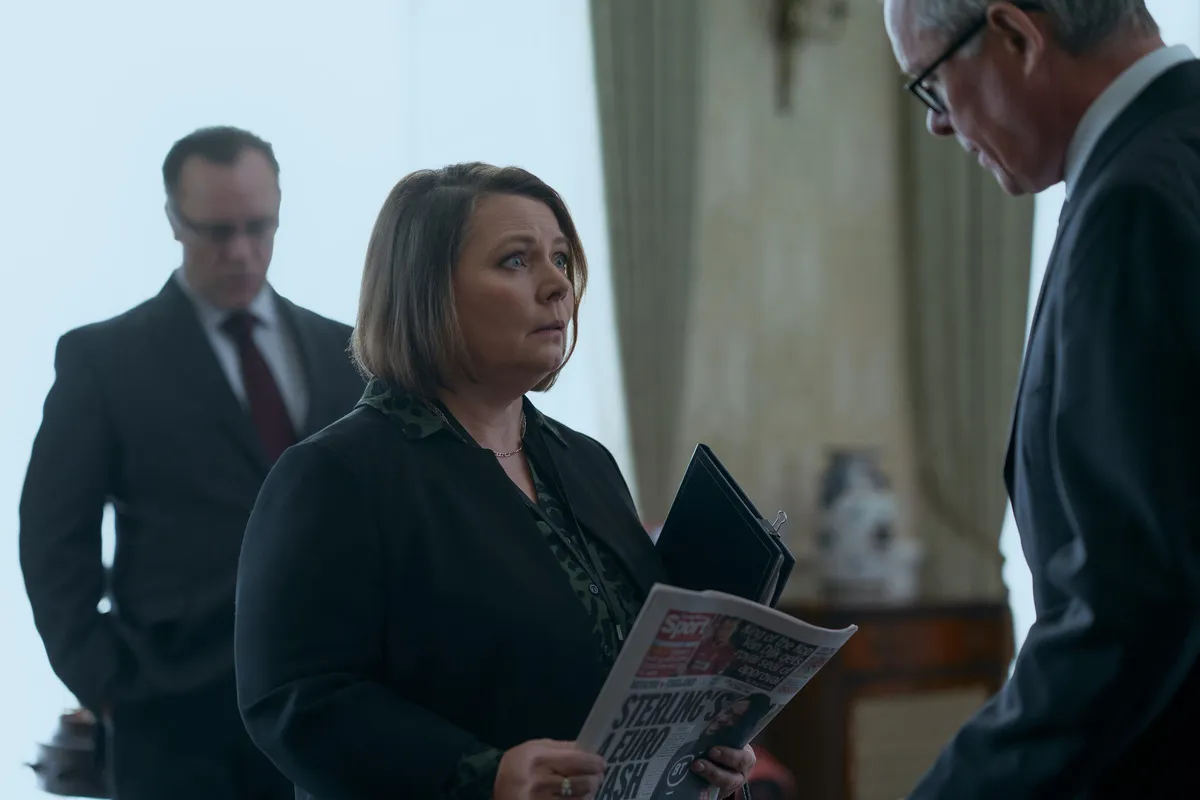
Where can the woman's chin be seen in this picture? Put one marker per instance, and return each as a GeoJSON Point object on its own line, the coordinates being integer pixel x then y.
{"type": "Point", "coordinates": [551, 358]}
{"type": "Point", "coordinates": [542, 368]}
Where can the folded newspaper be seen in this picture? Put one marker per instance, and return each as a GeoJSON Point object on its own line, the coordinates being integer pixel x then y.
{"type": "Point", "coordinates": [698, 670]}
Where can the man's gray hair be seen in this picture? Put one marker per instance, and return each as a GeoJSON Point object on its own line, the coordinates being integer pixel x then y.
{"type": "Point", "coordinates": [1079, 25]}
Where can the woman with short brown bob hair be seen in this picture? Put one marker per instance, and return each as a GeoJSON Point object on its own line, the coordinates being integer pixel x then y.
{"type": "Point", "coordinates": [433, 589]}
{"type": "Point", "coordinates": [408, 330]}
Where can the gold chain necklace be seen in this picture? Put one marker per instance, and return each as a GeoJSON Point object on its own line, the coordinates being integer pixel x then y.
{"type": "Point", "coordinates": [496, 453]}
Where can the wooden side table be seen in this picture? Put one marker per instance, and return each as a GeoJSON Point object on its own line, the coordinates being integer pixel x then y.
{"type": "Point", "coordinates": [876, 716]}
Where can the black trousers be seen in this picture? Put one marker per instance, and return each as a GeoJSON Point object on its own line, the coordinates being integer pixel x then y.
{"type": "Point", "coordinates": [188, 747]}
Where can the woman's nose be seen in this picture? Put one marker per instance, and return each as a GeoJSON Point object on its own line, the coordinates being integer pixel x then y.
{"type": "Point", "coordinates": [558, 282]}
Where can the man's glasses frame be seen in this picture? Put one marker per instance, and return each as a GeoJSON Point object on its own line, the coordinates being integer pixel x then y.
{"type": "Point", "coordinates": [221, 233]}
{"type": "Point", "coordinates": [919, 86]}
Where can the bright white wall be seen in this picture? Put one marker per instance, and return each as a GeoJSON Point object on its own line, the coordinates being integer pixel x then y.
{"type": "Point", "coordinates": [353, 96]}
{"type": "Point", "coordinates": [1180, 24]}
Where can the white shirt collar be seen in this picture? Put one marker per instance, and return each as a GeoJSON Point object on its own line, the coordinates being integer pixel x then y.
{"type": "Point", "coordinates": [1115, 99]}
{"type": "Point", "coordinates": [262, 306]}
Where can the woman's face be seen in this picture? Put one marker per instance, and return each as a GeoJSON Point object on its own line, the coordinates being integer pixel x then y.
{"type": "Point", "coordinates": [512, 293]}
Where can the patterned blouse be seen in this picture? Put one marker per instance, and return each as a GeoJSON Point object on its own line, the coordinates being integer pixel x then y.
{"type": "Point", "coordinates": [580, 556]}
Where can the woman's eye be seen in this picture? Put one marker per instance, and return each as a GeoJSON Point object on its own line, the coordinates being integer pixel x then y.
{"type": "Point", "coordinates": [515, 261]}
{"type": "Point", "coordinates": [562, 261]}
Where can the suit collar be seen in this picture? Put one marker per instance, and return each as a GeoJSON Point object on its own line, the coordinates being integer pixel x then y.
{"type": "Point", "coordinates": [575, 477]}
{"type": "Point", "coordinates": [545, 423]}
{"type": "Point", "coordinates": [322, 404]}
{"type": "Point", "coordinates": [187, 359]}
{"type": "Point", "coordinates": [1176, 87]}
{"type": "Point", "coordinates": [598, 512]}
{"type": "Point", "coordinates": [414, 418]}
{"type": "Point", "coordinates": [1112, 101]}
{"type": "Point", "coordinates": [264, 306]}
{"type": "Point", "coordinates": [417, 419]}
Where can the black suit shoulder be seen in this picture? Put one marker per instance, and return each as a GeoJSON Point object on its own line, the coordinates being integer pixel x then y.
{"type": "Point", "coordinates": [1133, 220]}
{"type": "Point", "coordinates": [386, 460]}
{"type": "Point", "coordinates": [317, 321]}
{"type": "Point", "coordinates": [103, 335]}
{"type": "Point", "coordinates": [327, 331]}
{"type": "Point", "coordinates": [131, 331]}
{"type": "Point", "coordinates": [366, 440]}
{"type": "Point", "coordinates": [1153, 147]}
{"type": "Point", "coordinates": [134, 321]}
{"type": "Point", "coordinates": [598, 460]}
{"type": "Point", "coordinates": [573, 437]}
{"type": "Point", "coordinates": [1163, 160]}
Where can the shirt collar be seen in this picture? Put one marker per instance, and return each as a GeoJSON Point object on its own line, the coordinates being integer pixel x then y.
{"type": "Point", "coordinates": [1115, 99]}
{"type": "Point", "coordinates": [262, 306]}
{"type": "Point", "coordinates": [417, 420]}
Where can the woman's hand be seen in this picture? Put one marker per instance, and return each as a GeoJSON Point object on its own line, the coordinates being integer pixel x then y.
{"type": "Point", "coordinates": [726, 768]}
{"type": "Point", "coordinates": [543, 768]}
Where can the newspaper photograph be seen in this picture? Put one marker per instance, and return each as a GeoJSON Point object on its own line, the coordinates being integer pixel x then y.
{"type": "Point", "coordinates": [699, 670]}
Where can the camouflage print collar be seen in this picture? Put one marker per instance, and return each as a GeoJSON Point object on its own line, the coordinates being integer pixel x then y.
{"type": "Point", "coordinates": [418, 420]}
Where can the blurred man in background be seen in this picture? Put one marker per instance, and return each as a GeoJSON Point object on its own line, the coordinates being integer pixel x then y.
{"type": "Point", "coordinates": [173, 412]}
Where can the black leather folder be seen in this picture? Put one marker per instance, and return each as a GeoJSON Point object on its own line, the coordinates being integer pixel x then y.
{"type": "Point", "coordinates": [714, 537]}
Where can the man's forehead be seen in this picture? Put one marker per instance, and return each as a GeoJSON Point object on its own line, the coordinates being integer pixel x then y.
{"type": "Point", "coordinates": [249, 172]}
{"type": "Point", "coordinates": [917, 53]}
{"type": "Point", "coordinates": [227, 191]}
{"type": "Point", "coordinates": [912, 46]}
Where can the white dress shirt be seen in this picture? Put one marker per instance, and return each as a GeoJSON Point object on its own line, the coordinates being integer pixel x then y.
{"type": "Point", "coordinates": [273, 339]}
{"type": "Point", "coordinates": [1115, 99]}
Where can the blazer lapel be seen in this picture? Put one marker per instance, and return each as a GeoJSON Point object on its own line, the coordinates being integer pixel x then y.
{"type": "Point", "coordinates": [1064, 219]}
{"type": "Point", "coordinates": [320, 403]}
{"type": "Point", "coordinates": [187, 359]}
{"type": "Point", "coordinates": [597, 515]}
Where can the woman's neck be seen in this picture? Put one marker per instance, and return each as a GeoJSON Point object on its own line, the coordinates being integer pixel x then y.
{"type": "Point", "coordinates": [493, 422]}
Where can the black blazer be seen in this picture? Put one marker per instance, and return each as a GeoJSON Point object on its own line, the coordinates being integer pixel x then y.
{"type": "Point", "coordinates": [1104, 474]}
{"type": "Point", "coordinates": [141, 415]}
{"type": "Point", "coordinates": [397, 606]}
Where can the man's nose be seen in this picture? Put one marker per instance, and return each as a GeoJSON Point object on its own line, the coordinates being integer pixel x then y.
{"type": "Point", "coordinates": [938, 123]}
{"type": "Point", "coordinates": [241, 246]}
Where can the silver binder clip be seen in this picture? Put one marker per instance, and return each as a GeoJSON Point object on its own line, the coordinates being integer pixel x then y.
{"type": "Point", "coordinates": [780, 519]}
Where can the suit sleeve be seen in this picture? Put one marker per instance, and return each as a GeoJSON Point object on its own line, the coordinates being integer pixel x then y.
{"type": "Point", "coordinates": [309, 638]}
{"type": "Point", "coordinates": [62, 503]}
{"type": "Point", "coordinates": [1099, 667]}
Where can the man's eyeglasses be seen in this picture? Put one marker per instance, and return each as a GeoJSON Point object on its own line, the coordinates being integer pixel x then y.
{"type": "Point", "coordinates": [224, 232]}
{"type": "Point", "coordinates": [920, 84]}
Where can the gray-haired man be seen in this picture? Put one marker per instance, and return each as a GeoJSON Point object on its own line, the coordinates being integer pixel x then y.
{"type": "Point", "coordinates": [1103, 465]}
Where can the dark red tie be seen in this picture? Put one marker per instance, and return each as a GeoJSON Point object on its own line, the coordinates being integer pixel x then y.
{"type": "Point", "coordinates": [267, 409]}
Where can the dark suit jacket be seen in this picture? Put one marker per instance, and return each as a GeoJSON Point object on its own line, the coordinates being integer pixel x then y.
{"type": "Point", "coordinates": [1104, 475]}
{"type": "Point", "coordinates": [141, 415]}
{"type": "Point", "coordinates": [397, 606]}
